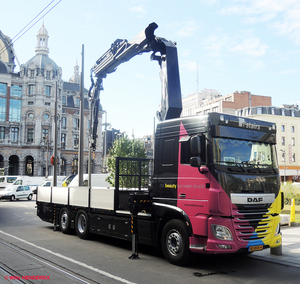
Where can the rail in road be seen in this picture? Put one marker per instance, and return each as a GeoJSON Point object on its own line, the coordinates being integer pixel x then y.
{"type": "Point", "coordinates": [25, 267]}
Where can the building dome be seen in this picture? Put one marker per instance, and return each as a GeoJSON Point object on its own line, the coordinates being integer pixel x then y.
{"type": "Point", "coordinates": [41, 62]}
{"type": "Point", "coordinates": [43, 31]}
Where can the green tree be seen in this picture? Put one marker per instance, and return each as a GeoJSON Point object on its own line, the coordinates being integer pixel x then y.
{"type": "Point", "coordinates": [132, 148]}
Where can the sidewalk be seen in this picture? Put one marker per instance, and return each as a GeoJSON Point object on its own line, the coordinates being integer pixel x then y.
{"type": "Point", "coordinates": [290, 249]}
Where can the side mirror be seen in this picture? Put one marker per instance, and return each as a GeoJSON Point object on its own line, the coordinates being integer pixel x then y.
{"type": "Point", "coordinates": [195, 145]}
{"type": "Point", "coordinates": [195, 162]}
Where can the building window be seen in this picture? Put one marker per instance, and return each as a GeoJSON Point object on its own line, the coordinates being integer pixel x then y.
{"type": "Point", "coordinates": [259, 110]}
{"type": "Point", "coordinates": [31, 73]}
{"type": "Point", "coordinates": [283, 157]}
{"type": "Point", "coordinates": [76, 122]}
{"type": "Point", "coordinates": [15, 110]}
{"type": "Point", "coordinates": [294, 157]}
{"type": "Point", "coordinates": [47, 104]}
{"type": "Point", "coordinates": [2, 108]}
{"type": "Point", "coordinates": [215, 109]}
{"type": "Point", "coordinates": [64, 122]}
{"type": "Point", "coordinates": [48, 91]}
{"type": "Point", "coordinates": [282, 128]}
{"type": "Point", "coordinates": [2, 132]}
{"type": "Point", "coordinates": [273, 110]}
{"type": "Point", "coordinates": [293, 141]}
{"type": "Point", "coordinates": [283, 112]}
{"type": "Point", "coordinates": [16, 91]}
{"type": "Point", "coordinates": [31, 89]}
{"type": "Point", "coordinates": [76, 140]}
{"type": "Point", "coordinates": [293, 113]}
{"type": "Point", "coordinates": [14, 134]}
{"type": "Point", "coordinates": [30, 103]}
{"type": "Point", "coordinates": [30, 135]}
{"type": "Point", "coordinates": [45, 133]}
{"type": "Point", "coordinates": [283, 141]}
{"type": "Point", "coordinates": [2, 89]}
{"type": "Point", "coordinates": [48, 75]}
{"type": "Point", "coordinates": [293, 129]}
{"type": "Point", "coordinates": [63, 100]}
{"type": "Point", "coordinates": [77, 102]}
{"type": "Point", "coordinates": [63, 140]}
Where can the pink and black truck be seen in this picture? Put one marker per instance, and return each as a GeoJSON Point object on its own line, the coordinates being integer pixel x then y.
{"type": "Point", "coordinates": [213, 186]}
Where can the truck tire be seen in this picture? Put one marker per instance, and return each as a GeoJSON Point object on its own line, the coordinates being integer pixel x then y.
{"type": "Point", "coordinates": [175, 242]}
{"type": "Point", "coordinates": [82, 224]}
{"type": "Point", "coordinates": [12, 198]}
{"type": "Point", "coordinates": [64, 221]}
{"type": "Point", "coordinates": [29, 197]}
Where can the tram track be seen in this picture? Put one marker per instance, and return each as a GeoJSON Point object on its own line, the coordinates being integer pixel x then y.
{"type": "Point", "coordinates": [34, 267]}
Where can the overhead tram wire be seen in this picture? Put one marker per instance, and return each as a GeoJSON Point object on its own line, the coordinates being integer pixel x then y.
{"type": "Point", "coordinates": [7, 46]}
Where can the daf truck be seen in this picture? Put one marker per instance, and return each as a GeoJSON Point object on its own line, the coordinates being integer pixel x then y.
{"type": "Point", "coordinates": [213, 186]}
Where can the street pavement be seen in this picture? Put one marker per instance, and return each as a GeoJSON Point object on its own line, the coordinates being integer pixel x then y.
{"type": "Point", "coordinates": [290, 248]}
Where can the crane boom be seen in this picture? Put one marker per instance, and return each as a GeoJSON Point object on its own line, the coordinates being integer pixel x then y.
{"type": "Point", "coordinates": [121, 50]}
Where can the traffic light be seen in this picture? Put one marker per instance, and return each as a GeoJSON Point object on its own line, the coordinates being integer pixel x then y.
{"type": "Point", "coordinates": [52, 160]}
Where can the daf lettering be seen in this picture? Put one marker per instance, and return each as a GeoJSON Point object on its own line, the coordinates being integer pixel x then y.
{"type": "Point", "coordinates": [254, 199]}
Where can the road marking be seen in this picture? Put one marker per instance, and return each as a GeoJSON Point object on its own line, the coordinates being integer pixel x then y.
{"type": "Point", "coordinates": [71, 260]}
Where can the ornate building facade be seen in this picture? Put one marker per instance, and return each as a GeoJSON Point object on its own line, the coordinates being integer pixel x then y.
{"type": "Point", "coordinates": [27, 105]}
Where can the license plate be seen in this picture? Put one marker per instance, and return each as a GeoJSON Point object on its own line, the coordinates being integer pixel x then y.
{"type": "Point", "coordinates": [256, 248]}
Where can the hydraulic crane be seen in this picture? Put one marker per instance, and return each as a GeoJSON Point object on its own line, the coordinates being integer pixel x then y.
{"type": "Point", "coordinates": [121, 50]}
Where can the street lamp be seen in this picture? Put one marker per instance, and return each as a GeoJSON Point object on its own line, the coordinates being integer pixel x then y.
{"type": "Point", "coordinates": [284, 177]}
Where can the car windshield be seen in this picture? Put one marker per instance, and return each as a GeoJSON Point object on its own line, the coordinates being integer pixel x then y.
{"type": "Point", "coordinates": [233, 152]}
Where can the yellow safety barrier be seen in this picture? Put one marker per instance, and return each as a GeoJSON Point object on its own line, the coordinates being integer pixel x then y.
{"type": "Point", "coordinates": [293, 212]}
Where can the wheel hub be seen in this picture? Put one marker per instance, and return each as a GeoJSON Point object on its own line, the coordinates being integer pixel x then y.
{"type": "Point", "coordinates": [174, 242]}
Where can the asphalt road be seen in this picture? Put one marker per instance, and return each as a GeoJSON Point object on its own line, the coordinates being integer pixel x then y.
{"type": "Point", "coordinates": [31, 250]}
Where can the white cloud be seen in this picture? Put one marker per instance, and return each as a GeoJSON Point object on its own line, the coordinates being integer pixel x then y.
{"type": "Point", "coordinates": [139, 10]}
{"type": "Point", "coordinates": [282, 16]}
{"type": "Point", "coordinates": [186, 29]}
{"type": "Point", "coordinates": [251, 46]}
{"type": "Point", "coordinates": [190, 66]}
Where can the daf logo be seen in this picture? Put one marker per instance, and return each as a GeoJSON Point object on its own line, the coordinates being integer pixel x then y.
{"type": "Point", "coordinates": [254, 199]}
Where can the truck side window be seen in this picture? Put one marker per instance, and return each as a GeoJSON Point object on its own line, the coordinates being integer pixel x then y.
{"type": "Point", "coordinates": [168, 152]}
{"type": "Point", "coordinates": [185, 154]}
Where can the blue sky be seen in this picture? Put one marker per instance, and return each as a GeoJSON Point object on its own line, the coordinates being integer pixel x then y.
{"type": "Point", "coordinates": [245, 45]}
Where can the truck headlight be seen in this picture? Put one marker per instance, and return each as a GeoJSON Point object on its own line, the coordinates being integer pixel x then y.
{"type": "Point", "coordinates": [221, 232]}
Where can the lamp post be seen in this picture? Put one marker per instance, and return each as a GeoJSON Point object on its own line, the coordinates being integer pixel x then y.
{"type": "Point", "coordinates": [284, 177]}
{"type": "Point", "coordinates": [45, 138]}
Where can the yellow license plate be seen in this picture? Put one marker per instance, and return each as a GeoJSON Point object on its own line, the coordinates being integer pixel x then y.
{"type": "Point", "coordinates": [256, 248]}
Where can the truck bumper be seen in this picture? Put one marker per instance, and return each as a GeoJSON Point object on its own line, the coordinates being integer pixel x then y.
{"type": "Point", "coordinates": [233, 243]}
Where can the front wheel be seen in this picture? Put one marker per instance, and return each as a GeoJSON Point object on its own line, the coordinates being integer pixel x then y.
{"type": "Point", "coordinates": [12, 198]}
{"type": "Point", "coordinates": [175, 242]}
{"type": "Point", "coordinates": [82, 224]}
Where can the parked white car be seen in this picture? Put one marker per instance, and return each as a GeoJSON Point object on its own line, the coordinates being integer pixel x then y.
{"type": "Point", "coordinates": [16, 192]}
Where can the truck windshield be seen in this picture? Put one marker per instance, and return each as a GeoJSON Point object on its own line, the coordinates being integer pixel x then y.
{"type": "Point", "coordinates": [233, 152]}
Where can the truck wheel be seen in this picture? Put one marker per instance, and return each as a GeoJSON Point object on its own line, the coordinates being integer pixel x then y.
{"type": "Point", "coordinates": [64, 221]}
{"type": "Point", "coordinates": [29, 197]}
{"type": "Point", "coordinates": [82, 224]}
{"type": "Point", "coordinates": [175, 242]}
{"type": "Point", "coordinates": [12, 198]}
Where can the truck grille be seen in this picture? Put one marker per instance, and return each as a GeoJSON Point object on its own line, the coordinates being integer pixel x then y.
{"type": "Point", "coordinates": [252, 223]}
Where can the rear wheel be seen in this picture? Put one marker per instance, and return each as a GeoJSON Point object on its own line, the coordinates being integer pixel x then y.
{"type": "Point", "coordinates": [29, 197]}
{"type": "Point", "coordinates": [64, 221]}
{"type": "Point", "coordinates": [82, 224]}
{"type": "Point", "coordinates": [175, 242]}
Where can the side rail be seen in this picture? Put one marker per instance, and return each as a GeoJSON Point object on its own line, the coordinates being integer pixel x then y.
{"type": "Point", "coordinates": [132, 175]}
{"type": "Point", "coordinates": [96, 197]}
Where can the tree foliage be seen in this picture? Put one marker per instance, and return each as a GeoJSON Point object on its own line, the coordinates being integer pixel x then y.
{"type": "Point", "coordinates": [125, 147]}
